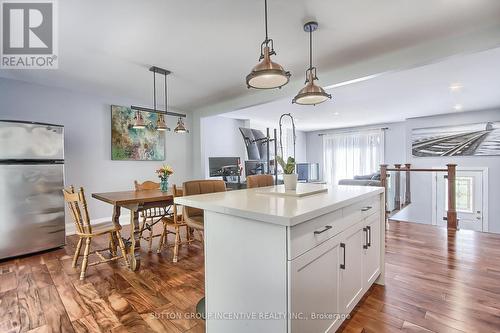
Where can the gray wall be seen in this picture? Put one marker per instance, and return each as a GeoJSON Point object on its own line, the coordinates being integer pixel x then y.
{"type": "Point", "coordinates": [398, 150]}
{"type": "Point", "coordinates": [87, 121]}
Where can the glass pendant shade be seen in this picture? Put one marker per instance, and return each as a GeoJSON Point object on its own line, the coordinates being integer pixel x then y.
{"type": "Point", "coordinates": [267, 74]}
{"type": "Point", "coordinates": [138, 121]}
{"type": "Point", "coordinates": [180, 128]}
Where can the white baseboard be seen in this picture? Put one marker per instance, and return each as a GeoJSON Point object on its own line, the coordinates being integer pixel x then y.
{"type": "Point", "coordinates": [124, 220]}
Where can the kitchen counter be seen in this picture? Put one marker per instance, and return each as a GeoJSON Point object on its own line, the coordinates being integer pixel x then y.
{"type": "Point", "coordinates": [283, 210]}
{"type": "Point", "coordinates": [275, 262]}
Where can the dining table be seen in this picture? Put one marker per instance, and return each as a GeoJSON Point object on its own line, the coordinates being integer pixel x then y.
{"type": "Point", "coordinates": [136, 202]}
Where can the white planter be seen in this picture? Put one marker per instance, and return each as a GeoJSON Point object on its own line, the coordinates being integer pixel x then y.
{"type": "Point", "coordinates": [290, 182]}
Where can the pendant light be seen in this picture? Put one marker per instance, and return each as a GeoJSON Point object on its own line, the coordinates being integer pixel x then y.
{"type": "Point", "coordinates": [138, 121]}
{"type": "Point", "coordinates": [311, 94]}
{"type": "Point", "coordinates": [180, 128]}
{"type": "Point", "coordinates": [267, 74]}
{"type": "Point", "coordinates": [161, 124]}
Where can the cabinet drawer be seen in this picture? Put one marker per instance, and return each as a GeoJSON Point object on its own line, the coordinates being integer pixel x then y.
{"type": "Point", "coordinates": [363, 209]}
{"type": "Point", "coordinates": [308, 235]}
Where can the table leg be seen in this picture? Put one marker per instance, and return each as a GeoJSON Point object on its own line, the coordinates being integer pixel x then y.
{"type": "Point", "coordinates": [135, 238]}
{"type": "Point", "coordinates": [116, 221]}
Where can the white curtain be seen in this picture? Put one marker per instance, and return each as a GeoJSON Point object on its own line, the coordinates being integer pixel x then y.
{"type": "Point", "coordinates": [349, 154]}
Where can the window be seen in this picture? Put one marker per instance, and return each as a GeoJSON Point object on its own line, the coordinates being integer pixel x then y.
{"type": "Point", "coordinates": [351, 154]}
{"type": "Point", "coordinates": [464, 194]}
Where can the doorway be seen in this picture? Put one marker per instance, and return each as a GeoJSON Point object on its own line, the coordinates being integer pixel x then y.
{"type": "Point", "coordinates": [470, 199]}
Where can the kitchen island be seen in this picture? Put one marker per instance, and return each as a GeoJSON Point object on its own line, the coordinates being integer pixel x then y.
{"type": "Point", "coordinates": [284, 263]}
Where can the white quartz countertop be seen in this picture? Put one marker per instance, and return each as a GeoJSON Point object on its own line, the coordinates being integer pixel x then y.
{"type": "Point", "coordinates": [282, 210]}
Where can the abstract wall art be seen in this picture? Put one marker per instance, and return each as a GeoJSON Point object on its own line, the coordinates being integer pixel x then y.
{"type": "Point", "coordinates": [479, 139]}
{"type": "Point", "coordinates": [130, 144]}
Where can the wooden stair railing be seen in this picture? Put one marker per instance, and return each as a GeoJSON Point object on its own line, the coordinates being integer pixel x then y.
{"type": "Point", "coordinates": [451, 169]}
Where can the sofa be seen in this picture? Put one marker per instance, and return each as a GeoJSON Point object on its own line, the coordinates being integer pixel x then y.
{"type": "Point", "coordinates": [363, 180]}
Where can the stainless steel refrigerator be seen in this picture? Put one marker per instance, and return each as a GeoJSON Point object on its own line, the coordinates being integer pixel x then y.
{"type": "Point", "coordinates": [31, 183]}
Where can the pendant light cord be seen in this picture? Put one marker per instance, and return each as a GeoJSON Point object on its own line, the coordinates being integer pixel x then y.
{"type": "Point", "coordinates": [310, 49]}
{"type": "Point", "coordinates": [166, 109]}
{"type": "Point", "coordinates": [265, 18]}
{"type": "Point", "coordinates": [154, 89]}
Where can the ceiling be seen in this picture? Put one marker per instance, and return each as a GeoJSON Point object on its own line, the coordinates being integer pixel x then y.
{"type": "Point", "coordinates": [462, 83]}
{"type": "Point", "coordinates": [105, 47]}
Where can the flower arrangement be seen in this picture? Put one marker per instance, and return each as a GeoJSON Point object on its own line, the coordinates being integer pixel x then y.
{"type": "Point", "coordinates": [165, 171]}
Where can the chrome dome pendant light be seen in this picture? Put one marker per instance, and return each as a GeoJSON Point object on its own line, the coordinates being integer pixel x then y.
{"type": "Point", "coordinates": [311, 94]}
{"type": "Point", "coordinates": [267, 74]}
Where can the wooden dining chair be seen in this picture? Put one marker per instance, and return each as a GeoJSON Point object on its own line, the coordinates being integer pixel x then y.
{"type": "Point", "coordinates": [151, 216]}
{"type": "Point", "coordinates": [86, 232]}
{"type": "Point", "coordinates": [260, 181]}
{"type": "Point", "coordinates": [175, 220]}
{"type": "Point", "coordinates": [193, 216]}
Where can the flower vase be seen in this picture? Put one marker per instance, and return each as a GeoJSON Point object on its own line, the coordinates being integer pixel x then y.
{"type": "Point", "coordinates": [164, 184]}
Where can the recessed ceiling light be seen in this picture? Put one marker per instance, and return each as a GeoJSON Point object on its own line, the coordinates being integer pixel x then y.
{"type": "Point", "coordinates": [456, 87]}
{"type": "Point", "coordinates": [336, 113]}
{"type": "Point", "coordinates": [458, 107]}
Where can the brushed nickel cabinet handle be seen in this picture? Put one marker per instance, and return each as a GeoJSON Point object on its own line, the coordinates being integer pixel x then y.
{"type": "Point", "coordinates": [327, 227]}
{"type": "Point", "coordinates": [369, 234]}
{"type": "Point", "coordinates": [364, 209]}
{"type": "Point", "coordinates": [342, 266]}
{"type": "Point", "coordinates": [365, 243]}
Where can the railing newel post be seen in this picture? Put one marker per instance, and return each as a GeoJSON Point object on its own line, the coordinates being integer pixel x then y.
{"type": "Point", "coordinates": [408, 178]}
{"type": "Point", "coordinates": [451, 214]}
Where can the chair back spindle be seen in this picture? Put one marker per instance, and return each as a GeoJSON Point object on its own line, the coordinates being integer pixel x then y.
{"type": "Point", "coordinates": [78, 207]}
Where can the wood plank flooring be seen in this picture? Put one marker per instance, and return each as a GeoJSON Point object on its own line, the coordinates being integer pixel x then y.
{"type": "Point", "coordinates": [435, 282]}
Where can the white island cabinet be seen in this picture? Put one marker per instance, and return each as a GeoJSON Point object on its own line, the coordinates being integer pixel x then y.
{"type": "Point", "coordinates": [292, 264]}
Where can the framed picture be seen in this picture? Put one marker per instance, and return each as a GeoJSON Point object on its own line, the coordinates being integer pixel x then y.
{"type": "Point", "coordinates": [130, 144]}
{"type": "Point", "coordinates": [479, 139]}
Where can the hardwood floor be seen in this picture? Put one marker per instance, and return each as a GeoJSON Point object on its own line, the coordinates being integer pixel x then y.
{"type": "Point", "coordinates": [435, 282]}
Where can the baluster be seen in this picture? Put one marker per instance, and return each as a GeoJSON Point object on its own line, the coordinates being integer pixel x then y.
{"type": "Point", "coordinates": [383, 183]}
{"type": "Point", "coordinates": [452, 212]}
{"type": "Point", "coordinates": [397, 195]}
{"type": "Point", "coordinates": [408, 191]}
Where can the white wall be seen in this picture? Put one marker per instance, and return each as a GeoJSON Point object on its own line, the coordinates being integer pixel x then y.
{"type": "Point", "coordinates": [398, 150]}
{"type": "Point", "coordinates": [87, 122]}
{"type": "Point", "coordinates": [491, 162]}
{"type": "Point", "coordinates": [221, 137]}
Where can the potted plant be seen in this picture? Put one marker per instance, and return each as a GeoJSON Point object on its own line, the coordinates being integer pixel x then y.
{"type": "Point", "coordinates": [163, 173]}
{"type": "Point", "coordinates": [289, 175]}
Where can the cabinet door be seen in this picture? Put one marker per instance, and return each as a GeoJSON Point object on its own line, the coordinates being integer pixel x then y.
{"type": "Point", "coordinates": [314, 289]}
{"type": "Point", "coordinates": [372, 251]}
{"type": "Point", "coordinates": [351, 269]}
